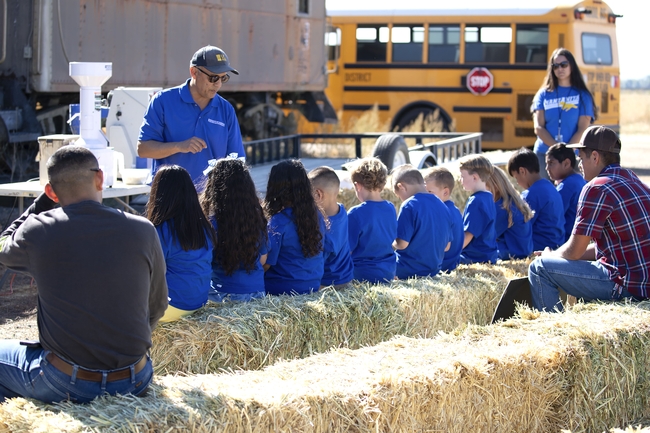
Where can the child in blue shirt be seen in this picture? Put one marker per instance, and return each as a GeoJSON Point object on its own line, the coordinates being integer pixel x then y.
{"type": "Point", "coordinates": [512, 224]}
{"type": "Point", "coordinates": [372, 225]}
{"type": "Point", "coordinates": [186, 238]}
{"type": "Point", "coordinates": [561, 167]}
{"type": "Point", "coordinates": [338, 270]}
{"type": "Point", "coordinates": [542, 197]}
{"type": "Point", "coordinates": [423, 226]}
{"type": "Point", "coordinates": [479, 241]}
{"type": "Point", "coordinates": [440, 182]}
{"type": "Point", "coordinates": [232, 205]}
{"type": "Point", "coordinates": [295, 261]}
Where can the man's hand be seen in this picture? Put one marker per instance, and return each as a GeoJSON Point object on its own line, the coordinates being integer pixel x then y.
{"type": "Point", "coordinates": [192, 145]}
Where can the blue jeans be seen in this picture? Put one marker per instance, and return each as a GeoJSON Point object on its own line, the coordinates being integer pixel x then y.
{"type": "Point", "coordinates": [218, 297]}
{"type": "Point", "coordinates": [24, 372]}
{"type": "Point", "coordinates": [588, 280]}
{"type": "Point", "coordinates": [541, 157]}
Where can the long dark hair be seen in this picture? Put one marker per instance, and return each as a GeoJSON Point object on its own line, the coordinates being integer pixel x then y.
{"type": "Point", "coordinates": [289, 186]}
{"type": "Point", "coordinates": [230, 198]}
{"type": "Point", "coordinates": [551, 82]}
{"type": "Point", "coordinates": [173, 198]}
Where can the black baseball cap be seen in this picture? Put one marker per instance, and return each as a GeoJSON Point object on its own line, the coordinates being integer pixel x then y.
{"type": "Point", "coordinates": [599, 137]}
{"type": "Point", "coordinates": [214, 59]}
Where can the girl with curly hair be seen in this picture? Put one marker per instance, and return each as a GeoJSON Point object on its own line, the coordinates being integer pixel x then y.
{"type": "Point", "coordinates": [232, 205]}
{"type": "Point", "coordinates": [186, 238]}
{"type": "Point", "coordinates": [296, 226]}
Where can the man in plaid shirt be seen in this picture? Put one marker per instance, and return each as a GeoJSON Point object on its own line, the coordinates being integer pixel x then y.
{"type": "Point", "coordinates": [614, 212]}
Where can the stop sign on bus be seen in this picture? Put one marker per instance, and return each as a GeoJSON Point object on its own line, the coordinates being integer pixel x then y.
{"type": "Point", "coordinates": [480, 81]}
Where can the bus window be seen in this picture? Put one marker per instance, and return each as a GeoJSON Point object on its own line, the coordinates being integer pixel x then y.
{"type": "Point", "coordinates": [407, 43]}
{"type": "Point", "coordinates": [596, 49]}
{"type": "Point", "coordinates": [487, 44]}
{"type": "Point", "coordinates": [444, 44]}
{"type": "Point", "coordinates": [531, 44]}
{"type": "Point", "coordinates": [333, 43]}
{"type": "Point", "coordinates": [371, 43]}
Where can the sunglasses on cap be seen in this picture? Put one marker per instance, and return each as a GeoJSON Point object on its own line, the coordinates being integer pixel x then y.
{"type": "Point", "coordinates": [562, 65]}
{"type": "Point", "coordinates": [215, 78]}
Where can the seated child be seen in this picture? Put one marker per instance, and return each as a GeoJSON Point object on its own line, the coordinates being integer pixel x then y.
{"type": "Point", "coordinates": [561, 166]}
{"type": "Point", "coordinates": [423, 226]}
{"type": "Point", "coordinates": [542, 197]}
{"type": "Point", "coordinates": [338, 269]}
{"type": "Point", "coordinates": [372, 225]}
{"type": "Point", "coordinates": [512, 224]}
{"type": "Point", "coordinates": [440, 182]}
{"type": "Point", "coordinates": [295, 262]}
{"type": "Point", "coordinates": [186, 237]}
{"type": "Point", "coordinates": [480, 240]}
{"type": "Point", "coordinates": [231, 203]}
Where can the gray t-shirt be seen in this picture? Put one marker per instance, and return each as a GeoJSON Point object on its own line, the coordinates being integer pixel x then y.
{"type": "Point", "coordinates": [101, 281]}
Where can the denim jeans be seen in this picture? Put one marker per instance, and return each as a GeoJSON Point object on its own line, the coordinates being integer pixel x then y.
{"type": "Point", "coordinates": [218, 297]}
{"type": "Point", "coordinates": [24, 372]}
{"type": "Point", "coordinates": [588, 280]}
{"type": "Point", "coordinates": [541, 157]}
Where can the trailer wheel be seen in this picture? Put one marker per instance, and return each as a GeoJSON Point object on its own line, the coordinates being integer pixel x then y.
{"type": "Point", "coordinates": [391, 150]}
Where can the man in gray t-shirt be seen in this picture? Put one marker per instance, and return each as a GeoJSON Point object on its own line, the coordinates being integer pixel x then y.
{"type": "Point", "coordinates": [101, 290]}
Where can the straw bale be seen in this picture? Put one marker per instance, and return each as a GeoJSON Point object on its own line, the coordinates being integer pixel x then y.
{"type": "Point", "coordinates": [584, 370]}
{"type": "Point", "coordinates": [252, 335]}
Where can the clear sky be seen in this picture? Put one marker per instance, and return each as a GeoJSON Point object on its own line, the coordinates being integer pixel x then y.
{"type": "Point", "coordinates": [634, 55]}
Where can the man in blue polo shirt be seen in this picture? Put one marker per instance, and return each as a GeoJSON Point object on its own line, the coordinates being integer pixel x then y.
{"type": "Point", "coordinates": [190, 124]}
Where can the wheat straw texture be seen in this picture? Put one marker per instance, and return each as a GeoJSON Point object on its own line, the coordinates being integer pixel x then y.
{"type": "Point", "coordinates": [585, 370]}
{"type": "Point", "coordinates": [256, 334]}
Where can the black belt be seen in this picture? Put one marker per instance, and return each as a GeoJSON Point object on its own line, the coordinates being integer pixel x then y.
{"type": "Point", "coordinates": [94, 376]}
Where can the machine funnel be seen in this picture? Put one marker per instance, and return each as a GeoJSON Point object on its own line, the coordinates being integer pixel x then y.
{"type": "Point", "coordinates": [90, 76]}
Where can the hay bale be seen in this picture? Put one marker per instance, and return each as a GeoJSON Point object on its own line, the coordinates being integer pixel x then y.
{"type": "Point", "coordinates": [256, 334]}
{"type": "Point", "coordinates": [584, 370]}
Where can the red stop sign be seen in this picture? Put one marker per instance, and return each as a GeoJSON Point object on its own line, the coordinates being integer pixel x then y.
{"type": "Point", "coordinates": [480, 81]}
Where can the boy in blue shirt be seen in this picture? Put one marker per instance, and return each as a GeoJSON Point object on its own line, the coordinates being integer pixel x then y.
{"type": "Point", "coordinates": [542, 197]}
{"type": "Point", "coordinates": [561, 167]}
{"type": "Point", "coordinates": [440, 182]}
{"type": "Point", "coordinates": [338, 268]}
{"type": "Point", "coordinates": [372, 225]}
{"type": "Point", "coordinates": [479, 239]}
{"type": "Point", "coordinates": [423, 226]}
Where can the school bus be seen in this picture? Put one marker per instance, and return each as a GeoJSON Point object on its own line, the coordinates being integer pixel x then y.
{"type": "Point", "coordinates": [478, 63]}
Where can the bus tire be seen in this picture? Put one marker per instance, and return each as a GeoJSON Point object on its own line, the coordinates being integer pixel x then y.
{"type": "Point", "coordinates": [412, 114]}
{"type": "Point", "coordinates": [391, 150]}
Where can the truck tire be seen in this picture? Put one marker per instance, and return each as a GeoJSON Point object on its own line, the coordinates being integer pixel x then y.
{"type": "Point", "coordinates": [391, 150]}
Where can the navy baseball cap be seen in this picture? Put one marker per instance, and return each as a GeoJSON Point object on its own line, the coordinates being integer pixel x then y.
{"type": "Point", "coordinates": [214, 59]}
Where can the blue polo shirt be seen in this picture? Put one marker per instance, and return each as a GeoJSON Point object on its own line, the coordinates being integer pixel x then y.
{"type": "Point", "coordinates": [478, 219]}
{"type": "Point", "coordinates": [338, 261]}
{"type": "Point", "coordinates": [241, 281]}
{"type": "Point", "coordinates": [172, 115]}
{"type": "Point", "coordinates": [372, 228]}
{"type": "Point", "coordinates": [452, 257]}
{"type": "Point", "coordinates": [425, 223]}
{"type": "Point", "coordinates": [514, 242]}
{"type": "Point", "coordinates": [290, 273]}
{"type": "Point", "coordinates": [570, 189]}
{"type": "Point", "coordinates": [548, 220]}
{"type": "Point", "coordinates": [188, 272]}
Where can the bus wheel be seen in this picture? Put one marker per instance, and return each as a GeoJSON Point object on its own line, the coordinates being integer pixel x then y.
{"type": "Point", "coordinates": [391, 150]}
{"type": "Point", "coordinates": [424, 119]}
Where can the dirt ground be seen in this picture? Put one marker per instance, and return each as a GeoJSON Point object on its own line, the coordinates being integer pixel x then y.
{"type": "Point", "coordinates": [18, 293]}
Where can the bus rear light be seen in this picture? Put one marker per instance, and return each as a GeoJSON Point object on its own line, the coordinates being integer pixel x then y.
{"type": "Point", "coordinates": [580, 13]}
{"type": "Point", "coordinates": [611, 18]}
{"type": "Point", "coordinates": [614, 81]}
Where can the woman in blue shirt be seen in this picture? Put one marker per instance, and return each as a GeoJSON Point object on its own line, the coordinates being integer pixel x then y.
{"type": "Point", "coordinates": [186, 237]}
{"type": "Point", "coordinates": [563, 107]}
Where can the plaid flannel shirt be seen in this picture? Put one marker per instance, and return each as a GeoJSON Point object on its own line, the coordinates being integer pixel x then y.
{"type": "Point", "coordinates": [614, 210]}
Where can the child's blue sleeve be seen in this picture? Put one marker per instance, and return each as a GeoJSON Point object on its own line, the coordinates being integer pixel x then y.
{"type": "Point", "coordinates": [405, 226]}
{"type": "Point", "coordinates": [474, 218]}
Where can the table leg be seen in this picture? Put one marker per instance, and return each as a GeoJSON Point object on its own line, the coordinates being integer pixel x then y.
{"type": "Point", "coordinates": [21, 205]}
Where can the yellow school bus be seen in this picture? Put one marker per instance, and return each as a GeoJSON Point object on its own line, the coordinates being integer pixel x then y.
{"type": "Point", "coordinates": [479, 63]}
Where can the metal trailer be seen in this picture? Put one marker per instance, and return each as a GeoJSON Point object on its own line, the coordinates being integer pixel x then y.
{"type": "Point", "coordinates": [276, 45]}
